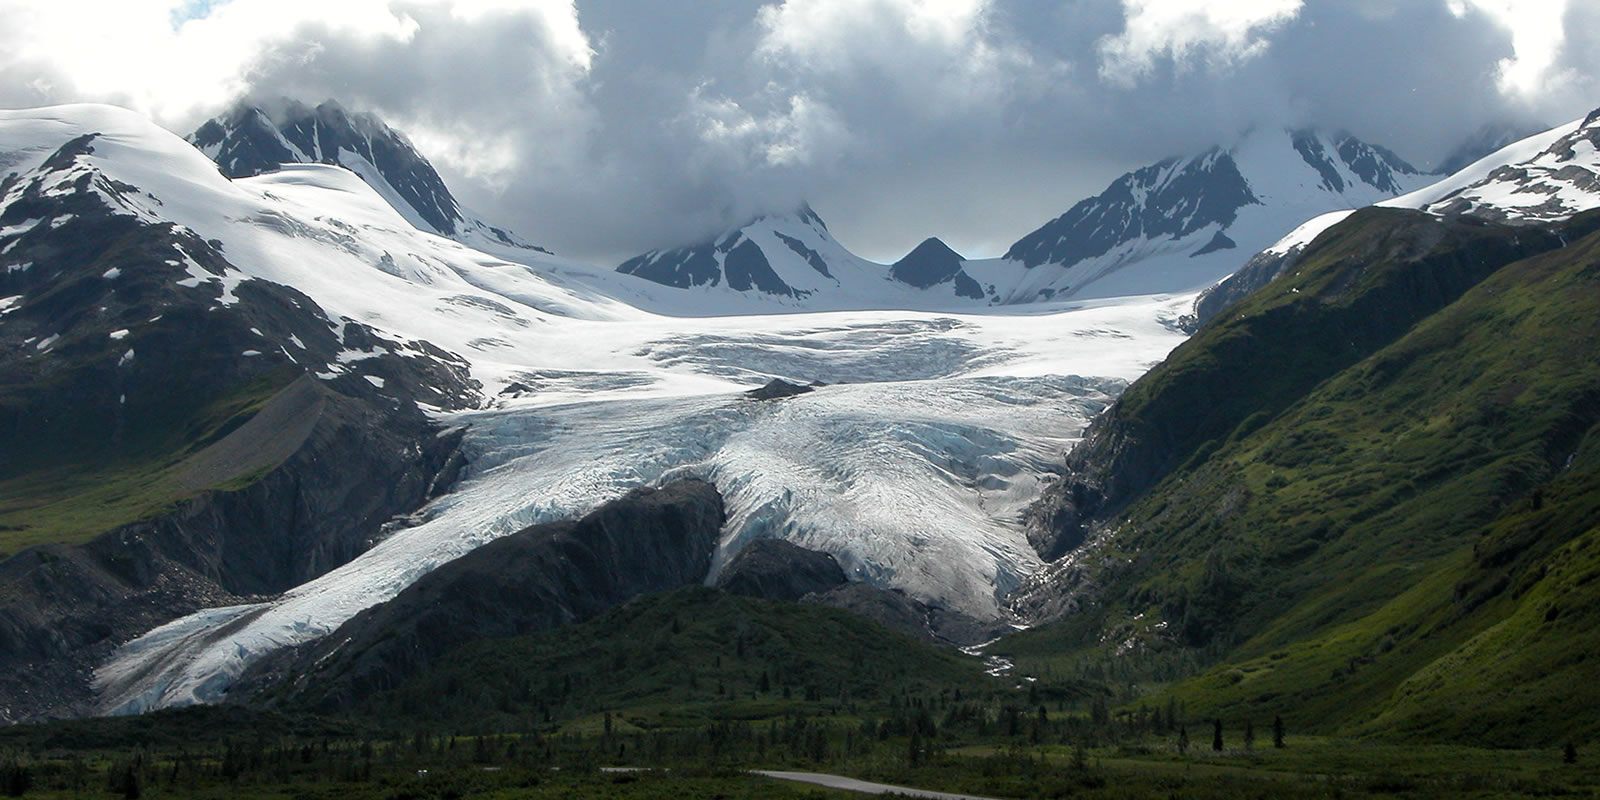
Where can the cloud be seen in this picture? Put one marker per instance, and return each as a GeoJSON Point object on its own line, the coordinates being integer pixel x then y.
{"type": "Point", "coordinates": [603, 128]}
{"type": "Point", "coordinates": [1537, 35]}
{"type": "Point", "coordinates": [944, 53]}
{"type": "Point", "coordinates": [1186, 31]}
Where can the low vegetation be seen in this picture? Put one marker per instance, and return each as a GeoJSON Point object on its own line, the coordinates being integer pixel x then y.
{"type": "Point", "coordinates": [144, 477]}
{"type": "Point", "coordinates": [1406, 551]}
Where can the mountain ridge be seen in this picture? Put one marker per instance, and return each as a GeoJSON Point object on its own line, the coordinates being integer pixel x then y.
{"type": "Point", "coordinates": [1170, 227]}
{"type": "Point", "coordinates": [248, 140]}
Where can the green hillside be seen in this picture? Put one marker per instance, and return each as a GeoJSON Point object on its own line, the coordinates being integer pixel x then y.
{"type": "Point", "coordinates": [105, 487]}
{"type": "Point", "coordinates": [684, 658]}
{"type": "Point", "coordinates": [1407, 545]}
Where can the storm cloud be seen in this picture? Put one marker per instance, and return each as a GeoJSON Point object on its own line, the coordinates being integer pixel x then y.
{"type": "Point", "coordinates": [608, 127]}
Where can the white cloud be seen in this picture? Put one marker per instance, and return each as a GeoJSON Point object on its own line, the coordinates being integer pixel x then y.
{"type": "Point", "coordinates": [1219, 32]}
{"type": "Point", "coordinates": [945, 53]}
{"type": "Point", "coordinates": [827, 31]}
{"type": "Point", "coordinates": [1537, 36]}
{"type": "Point", "coordinates": [792, 134]}
{"type": "Point", "coordinates": [174, 59]}
{"type": "Point", "coordinates": [602, 128]}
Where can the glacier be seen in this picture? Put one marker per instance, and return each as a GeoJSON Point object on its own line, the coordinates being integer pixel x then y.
{"type": "Point", "coordinates": [913, 465]}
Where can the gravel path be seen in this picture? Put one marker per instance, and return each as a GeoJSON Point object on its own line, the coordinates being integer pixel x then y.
{"type": "Point", "coordinates": [865, 787]}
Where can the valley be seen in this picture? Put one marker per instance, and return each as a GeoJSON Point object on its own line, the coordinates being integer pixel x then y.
{"type": "Point", "coordinates": [1284, 432]}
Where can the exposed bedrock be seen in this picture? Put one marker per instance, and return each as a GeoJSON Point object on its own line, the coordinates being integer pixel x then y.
{"type": "Point", "coordinates": [779, 570]}
{"type": "Point", "coordinates": [542, 577]}
{"type": "Point", "coordinates": [350, 468]}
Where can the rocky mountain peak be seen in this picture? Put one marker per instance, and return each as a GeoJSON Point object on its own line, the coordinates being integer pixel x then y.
{"type": "Point", "coordinates": [933, 262]}
{"type": "Point", "coordinates": [251, 139]}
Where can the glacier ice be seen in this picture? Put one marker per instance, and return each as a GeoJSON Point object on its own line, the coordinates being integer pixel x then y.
{"type": "Point", "coordinates": [915, 483]}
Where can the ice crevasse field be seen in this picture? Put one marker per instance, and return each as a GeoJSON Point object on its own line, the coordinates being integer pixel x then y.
{"type": "Point", "coordinates": [912, 464]}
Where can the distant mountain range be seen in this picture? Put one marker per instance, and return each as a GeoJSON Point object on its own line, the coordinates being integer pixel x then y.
{"type": "Point", "coordinates": [1174, 226]}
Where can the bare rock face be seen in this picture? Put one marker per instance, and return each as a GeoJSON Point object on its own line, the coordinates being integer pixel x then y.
{"type": "Point", "coordinates": [779, 570]}
{"type": "Point", "coordinates": [542, 577]}
{"type": "Point", "coordinates": [777, 389]}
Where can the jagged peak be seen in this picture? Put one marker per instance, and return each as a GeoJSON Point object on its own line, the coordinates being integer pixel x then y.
{"type": "Point", "coordinates": [729, 236]}
{"type": "Point", "coordinates": [283, 113]}
{"type": "Point", "coordinates": [261, 134]}
{"type": "Point", "coordinates": [931, 247]}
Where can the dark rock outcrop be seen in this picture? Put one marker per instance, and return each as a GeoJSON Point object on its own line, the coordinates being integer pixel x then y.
{"type": "Point", "coordinates": [1262, 268]}
{"type": "Point", "coordinates": [779, 570]}
{"type": "Point", "coordinates": [543, 577]}
{"type": "Point", "coordinates": [777, 389]}
{"type": "Point", "coordinates": [1218, 242]}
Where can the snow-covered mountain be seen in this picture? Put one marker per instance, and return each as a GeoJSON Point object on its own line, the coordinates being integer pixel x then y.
{"type": "Point", "coordinates": [792, 260]}
{"type": "Point", "coordinates": [249, 140]}
{"type": "Point", "coordinates": [1561, 179]}
{"type": "Point", "coordinates": [1184, 223]}
{"type": "Point", "coordinates": [912, 467]}
{"type": "Point", "coordinates": [1548, 176]}
{"type": "Point", "coordinates": [1178, 225]}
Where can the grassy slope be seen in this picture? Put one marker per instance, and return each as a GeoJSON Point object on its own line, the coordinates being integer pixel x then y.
{"type": "Point", "coordinates": [681, 658]}
{"type": "Point", "coordinates": [1372, 559]}
{"type": "Point", "coordinates": [90, 445]}
{"type": "Point", "coordinates": [80, 497]}
{"type": "Point", "coordinates": [1360, 285]}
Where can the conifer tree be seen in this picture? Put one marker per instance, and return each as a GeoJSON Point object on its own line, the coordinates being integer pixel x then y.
{"type": "Point", "coordinates": [1216, 735]}
{"type": "Point", "coordinates": [1277, 732]}
{"type": "Point", "coordinates": [1569, 754]}
{"type": "Point", "coordinates": [1183, 739]}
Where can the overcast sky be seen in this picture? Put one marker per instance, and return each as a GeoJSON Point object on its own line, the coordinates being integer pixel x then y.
{"type": "Point", "coordinates": [603, 128]}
